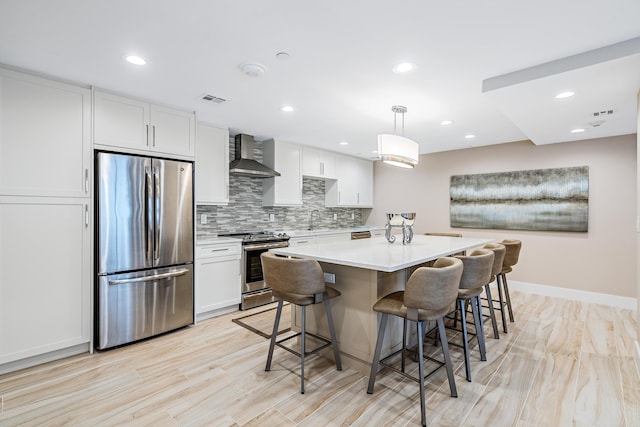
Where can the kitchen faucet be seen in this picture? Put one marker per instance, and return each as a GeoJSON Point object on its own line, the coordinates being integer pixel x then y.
{"type": "Point", "coordinates": [311, 218]}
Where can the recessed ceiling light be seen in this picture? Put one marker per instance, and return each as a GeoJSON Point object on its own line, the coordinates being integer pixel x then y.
{"type": "Point", "coordinates": [469, 136]}
{"type": "Point", "coordinates": [136, 60]}
{"type": "Point", "coordinates": [287, 108]}
{"type": "Point", "coordinates": [567, 94]}
{"type": "Point", "coordinates": [283, 56]}
{"type": "Point", "coordinates": [403, 67]}
{"type": "Point", "coordinates": [446, 122]}
{"type": "Point", "coordinates": [577, 130]}
{"type": "Point", "coordinates": [343, 143]}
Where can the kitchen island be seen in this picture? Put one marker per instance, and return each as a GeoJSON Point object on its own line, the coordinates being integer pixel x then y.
{"type": "Point", "coordinates": [363, 271]}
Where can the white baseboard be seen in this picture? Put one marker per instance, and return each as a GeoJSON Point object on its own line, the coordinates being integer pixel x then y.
{"type": "Point", "coordinates": [576, 295]}
{"type": "Point", "coordinates": [43, 358]}
{"type": "Point", "coordinates": [637, 357]}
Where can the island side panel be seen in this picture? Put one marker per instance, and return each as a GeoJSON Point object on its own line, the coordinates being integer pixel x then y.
{"type": "Point", "coordinates": [355, 322]}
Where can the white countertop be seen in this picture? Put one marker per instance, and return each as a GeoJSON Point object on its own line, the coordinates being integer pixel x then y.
{"type": "Point", "coordinates": [378, 254]}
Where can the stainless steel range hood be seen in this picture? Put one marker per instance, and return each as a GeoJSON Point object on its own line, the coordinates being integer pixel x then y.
{"type": "Point", "coordinates": [244, 164]}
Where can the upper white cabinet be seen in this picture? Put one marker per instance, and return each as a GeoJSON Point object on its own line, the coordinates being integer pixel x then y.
{"type": "Point", "coordinates": [212, 165]}
{"type": "Point", "coordinates": [138, 125]}
{"type": "Point", "coordinates": [354, 184]}
{"type": "Point", "coordinates": [45, 145]}
{"type": "Point", "coordinates": [318, 163]}
{"type": "Point", "coordinates": [286, 189]}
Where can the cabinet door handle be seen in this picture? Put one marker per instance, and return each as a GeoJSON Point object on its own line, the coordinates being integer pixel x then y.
{"type": "Point", "coordinates": [322, 168]}
{"type": "Point", "coordinates": [86, 216]}
{"type": "Point", "coordinates": [358, 198]}
{"type": "Point", "coordinates": [86, 181]}
{"type": "Point", "coordinates": [219, 250]}
{"type": "Point", "coordinates": [147, 127]}
{"type": "Point", "coordinates": [154, 135]}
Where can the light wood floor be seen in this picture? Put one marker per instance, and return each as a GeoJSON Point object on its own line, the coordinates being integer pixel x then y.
{"type": "Point", "coordinates": [562, 363]}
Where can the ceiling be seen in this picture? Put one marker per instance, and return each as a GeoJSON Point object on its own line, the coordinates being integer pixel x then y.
{"type": "Point", "coordinates": [492, 67]}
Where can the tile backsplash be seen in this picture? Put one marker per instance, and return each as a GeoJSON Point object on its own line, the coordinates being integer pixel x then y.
{"type": "Point", "coordinates": [245, 211]}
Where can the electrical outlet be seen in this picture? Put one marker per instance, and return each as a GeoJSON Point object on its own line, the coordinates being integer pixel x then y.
{"type": "Point", "coordinates": [203, 219]}
{"type": "Point", "coordinates": [335, 216]}
{"type": "Point", "coordinates": [353, 216]}
{"type": "Point", "coordinates": [330, 278]}
{"type": "Point", "coordinates": [272, 217]}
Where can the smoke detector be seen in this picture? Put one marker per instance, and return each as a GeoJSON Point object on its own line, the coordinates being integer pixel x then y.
{"type": "Point", "coordinates": [252, 69]}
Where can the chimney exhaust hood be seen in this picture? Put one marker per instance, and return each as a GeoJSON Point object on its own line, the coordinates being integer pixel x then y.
{"type": "Point", "coordinates": [244, 164]}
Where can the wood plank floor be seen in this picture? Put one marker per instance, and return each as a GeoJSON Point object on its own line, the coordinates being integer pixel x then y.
{"type": "Point", "coordinates": [563, 363]}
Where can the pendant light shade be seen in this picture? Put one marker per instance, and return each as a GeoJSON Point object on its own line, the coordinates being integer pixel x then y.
{"type": "Point", "coordinates": [397, 150]}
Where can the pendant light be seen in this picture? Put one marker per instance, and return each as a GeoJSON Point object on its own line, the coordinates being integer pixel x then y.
{"type": "Point", "coordinates": [397, 150]}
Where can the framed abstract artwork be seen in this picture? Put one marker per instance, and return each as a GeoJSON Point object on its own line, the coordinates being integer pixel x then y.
{"type": "Point", "coordinates": [539, 199]}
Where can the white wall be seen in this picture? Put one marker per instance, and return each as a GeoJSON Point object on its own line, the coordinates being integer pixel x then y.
{"type": "Point", "coordinates": [602, 260]}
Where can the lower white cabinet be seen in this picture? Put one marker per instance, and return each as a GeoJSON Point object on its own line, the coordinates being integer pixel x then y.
{"type": "Point", "coordinates": [45, 280]}
{"type": "Point", "coordinates": [217, 281]}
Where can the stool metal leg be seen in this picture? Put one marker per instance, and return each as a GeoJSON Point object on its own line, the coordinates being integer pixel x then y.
{"type": "Point", "coordinates": [501, 298]}
{"type": "Point", "coordinates": [465, 342]}
{"type": "Point", "coordinates": [447, 358]}
{"type": "Point", "coordinates": [421, 372]}
{"type": "Point", "coordinates": [332, 331]}
{"type": "Point", "coordinates": [272, 345]}
{"type": "Point", "coordinates": [376, 354]}
{"type": "Point", "coordinates": [507, 296]}
{"type": "Point", "coordinates": [492, 313]}
{"type": "Point", "coordinates": [478, 323]}
{"type": "Point", "coordinates": [303, 350]}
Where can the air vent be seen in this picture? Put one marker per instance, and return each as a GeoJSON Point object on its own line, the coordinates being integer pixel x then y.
{"type": "Point", "coordinates": [601, 113]}
{"type": "Point", "coordinates": [213, 98]}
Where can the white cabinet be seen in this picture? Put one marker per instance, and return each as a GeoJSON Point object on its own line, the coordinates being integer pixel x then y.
{"type": "Point", "coordinates": [45, 145]}
{"type": "Point", "coordinates": [304, 240]}
{"type": "Point", "coordinates": [354, 184]}
{"type": "Point", "coordinates": [45, 228]}
{"type": "Point", "coordinates": [333, 238]}
{"type": "Point", "coordinates": [217, 281]}
{"type": "Point", "coordinates": [45, 286]}
{"type": "Point", "coordinates": [137, 125]}
{"type": "Point", "coordinates": [318, 163]}
{"type": "Point", "coordinates": [212, 165]}
{"type": "Point", "coordinates": [286, 189]}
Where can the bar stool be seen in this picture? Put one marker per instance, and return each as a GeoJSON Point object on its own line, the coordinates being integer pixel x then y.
{"type": "Point", "coordinates": [498, 252]}
{"type": "Point", "coordinates": [510, 259]}
{"type": "Point", "coordinates": [429, 294]}
{"type": "Point", "coordinates": [300, 282]}
{"type": "Point", "coordinates": [476, 274]}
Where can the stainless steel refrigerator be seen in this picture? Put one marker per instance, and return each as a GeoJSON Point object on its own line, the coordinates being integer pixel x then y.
{"type": "Point", "coordinates": [144, 250]}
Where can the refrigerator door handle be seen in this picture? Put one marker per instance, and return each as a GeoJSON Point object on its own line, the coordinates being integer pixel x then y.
{"type": "Point", "coordinates": [170, 274]}
{"type": "Point", "coordinates": [148, 189]}
{"type": "Point", "coordinates": [158, 215]}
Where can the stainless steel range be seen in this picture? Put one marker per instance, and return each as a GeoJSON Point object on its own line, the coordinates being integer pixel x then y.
{"type": "Point", "coordinates": [254, 290]}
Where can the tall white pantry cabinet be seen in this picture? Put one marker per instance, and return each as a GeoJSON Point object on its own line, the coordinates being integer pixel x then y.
{"type": "Point", "coordinates": [45, 210]}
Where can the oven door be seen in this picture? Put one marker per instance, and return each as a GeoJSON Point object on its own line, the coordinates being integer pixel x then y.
{"type": "Point", "coordinates": [252, 279]}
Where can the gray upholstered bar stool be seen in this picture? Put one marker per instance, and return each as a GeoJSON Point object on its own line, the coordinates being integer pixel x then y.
{"type": "Point", "coordinates": [429, 295]}
{"type": "Point", "coordinates": [300, 282]}
{"type": "Point", "coordinates": [476, 274]}
{"type": "Point", "coordinates": [511, 257]}
{"type": "Point", "coordinates": [498, 252]}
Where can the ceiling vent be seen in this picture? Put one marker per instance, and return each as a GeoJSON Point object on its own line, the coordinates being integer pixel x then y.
{"type": "Point", "coordinates": [213, 98]}
{"type": "Point", "coordinates": [603, 113]}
